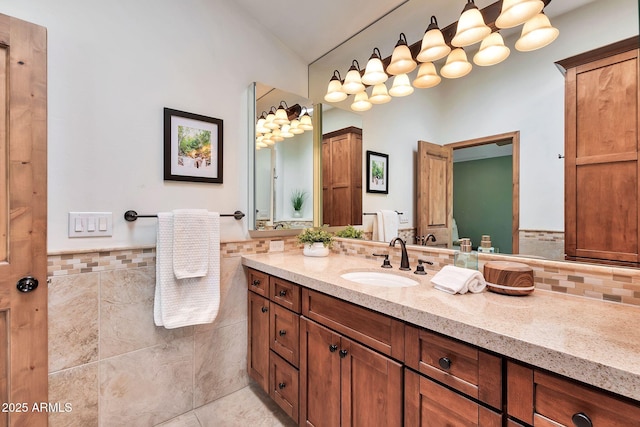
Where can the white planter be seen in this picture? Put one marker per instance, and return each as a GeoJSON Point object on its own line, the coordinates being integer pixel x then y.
{"type": "Point", "coordinates": [315, 249]}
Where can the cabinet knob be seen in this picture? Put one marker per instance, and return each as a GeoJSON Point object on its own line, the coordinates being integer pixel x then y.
{"type": "Point", "coordinates": [445, 363]}
{"type": "Point", "coordinates": [264, 309]}
{"type": "Point", "coordinates": [281, 385]}
{"type": "Point", "coordinates": [283, 293]}
{"type": "Point", "coordinates": [256, 282]}
{"type": "Point", "coordinates": [581, 419]}
{"type": "Point", "coordinates": [343, 353]}
{"type": "Point", "coordinates": [333, 348]}
{"type": "Point", "coordinates": [282, 332]}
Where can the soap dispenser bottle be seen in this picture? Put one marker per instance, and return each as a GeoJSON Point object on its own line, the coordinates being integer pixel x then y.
{"type": "Point", "coordinates": [465, 257]}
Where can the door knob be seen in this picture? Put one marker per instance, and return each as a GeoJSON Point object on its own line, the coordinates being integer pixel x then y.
{"type": "Point", "coordinates": [27, 284]}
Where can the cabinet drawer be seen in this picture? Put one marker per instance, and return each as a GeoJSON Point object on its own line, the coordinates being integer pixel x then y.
{"type": "Point", "coordinates": [561, 401]}
{"type": "Point", "coordinates": [258, 282]}
{"type": "Point", "coordinates": [284, 333]}
{"type": "Point", "coordinates": [285, 293]}
{"type": "Point", "coordinates": [378, 331]}
{"type": "Point", "coordinates": [458, 365]}
{"type": "Point", "coordinates": [284, 385]}
{"type": "Point", "coordinates": [429, 404]}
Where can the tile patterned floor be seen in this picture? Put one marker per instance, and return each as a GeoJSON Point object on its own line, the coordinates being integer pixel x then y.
{"type": "Point", "coordinates": [249, 406]}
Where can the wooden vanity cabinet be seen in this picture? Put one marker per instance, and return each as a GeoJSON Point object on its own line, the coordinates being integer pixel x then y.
{"type": "Point", "coordinates": [538, 398]}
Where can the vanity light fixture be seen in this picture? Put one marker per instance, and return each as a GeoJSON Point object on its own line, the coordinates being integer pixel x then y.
{"type": "Point", "coordinates": [335, 93]}
{"type": "Point", "coordinates": [536, 33]}
{"type": "Point", "coordinates": [471, 27]}
{"type": "Point", "coordinates": [269, 121]}
{"type": "Point", "coordinates": [277, 135]}
{"type": "Point", "coordinates": [374, 71]}
{"type": "Point", "coordinates": [281, 117]}
{"type": "Point", "coordinates": [401, 86]}
{"type": "Point", "coordinates": [492, 51]}
{"type": "Point", "coordinates": [517, 12]}
{"type": "Point", "coordinates": [260, 124]}
{"type": "Point", "coordinates": [433, 46]}
{"type": "Point", "coordinates": [427, 76]}
{"type": "Point", "coordinates": [361, 102]}
{"type": "Point", "coordinates": [305, 121]}
{"type": "Point", "coordinates": [379, 94]}
{"type": "Point", "coordinates": [457, 65]}
{"type": "Point", "coordinates": [353, 82]}
{"type": "Point", "coordinates": [295, 129]}
{"type": "Point", "coordinates": [401, 60]}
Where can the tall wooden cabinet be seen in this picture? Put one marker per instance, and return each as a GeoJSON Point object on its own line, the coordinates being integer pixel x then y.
{"type": "Point", "coordinates": [602, 108]}
{"type": "Point", "coordinates": [342, 177]}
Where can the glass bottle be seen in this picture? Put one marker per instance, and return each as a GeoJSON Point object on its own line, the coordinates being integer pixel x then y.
{"type": "Point", "coordinates": [465, 257]}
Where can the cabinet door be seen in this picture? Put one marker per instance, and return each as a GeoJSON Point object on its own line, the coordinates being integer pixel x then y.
{"type": "Point", "coordinates": [284, 333]}
{"type": "Point", "coordinates": [371, 387]}
{"type": "Point", "coordinates": [428, 404]}
{"type": "Point", "coordinates": [258, 346]}
{"type": "Point", "coordinates": [319, 375]}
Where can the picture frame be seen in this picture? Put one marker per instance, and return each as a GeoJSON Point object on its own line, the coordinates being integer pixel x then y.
{"type": "Point", "coordinates": [192, 147]}
{"type": "Point", "coordinates": [377, 172]}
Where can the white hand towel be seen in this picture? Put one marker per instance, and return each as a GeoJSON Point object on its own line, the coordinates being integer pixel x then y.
{"type": "Point", "coordinates": [191, 231]}
{"type": "Point", "coordinates": [184, 302]}
{"type": "Point", "coordinates": [452, 279]}
{"type": "Point", "coordinates": [390, 223]}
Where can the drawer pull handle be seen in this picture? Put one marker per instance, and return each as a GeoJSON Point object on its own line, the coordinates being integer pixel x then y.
{"type": "Point", "coordinates": [333, 348]}
{"type": "Point", "coordinates": [445, 363]}
{"type": "Point", "coordinates": [264, 309]}
{"type": "Point", "coordinates": [281, 385]}
{"type": "Point", "coordinates": [283, 293]}
{"type": "Point", "coordinates": [343, 353]}
{"type": "Point", "coordinates": [581, 420]}
{"type": "Point", "coordinates": [256, 282]}
{"type": "Point", "coordinates": [282, 332]}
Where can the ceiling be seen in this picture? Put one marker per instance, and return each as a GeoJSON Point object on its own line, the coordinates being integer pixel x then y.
{"type": "Point", "coordinates": [314, 28]}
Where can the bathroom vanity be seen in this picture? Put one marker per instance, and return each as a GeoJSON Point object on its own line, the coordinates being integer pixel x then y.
{"type": "Point", "coordinates": [331, 351]}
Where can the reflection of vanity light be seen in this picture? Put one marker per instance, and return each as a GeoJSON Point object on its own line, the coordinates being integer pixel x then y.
{"type": "Point", "coordinates": [379, 94]}
{"type": "Point", "coordinates": [536, 33]}
{"type": "Point", "coordinates": [305, 121]}
{"type": "Point", "coordinates": [286, 131]}
{"type": "Point", "coordinates": [401, 86]}
{"type": "Point", "coordinates": [295, 123]}
{"type": "Point", "coordinates": [492, 51]}
{"type": "Point", "coordinates": [276, 136]}
{"type": "Point", "coordinates": [457, 65]}
{"type": "Point", "coordinates": [517, 12]}
{"type": "Point", "coordinates": [361, 102]}
{"type": "Point", "coordinates": [471, 27]}
{"type": "Point", "coordinates": [427, 76]}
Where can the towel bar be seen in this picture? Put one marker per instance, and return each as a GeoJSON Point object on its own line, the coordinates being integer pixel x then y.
{"type": "Point", "coordinates": [373, 213]}
{"type": "Point", "coordinates": [133, 215]}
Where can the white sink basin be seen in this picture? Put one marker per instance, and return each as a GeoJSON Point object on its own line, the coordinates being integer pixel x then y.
{"type": "Point", "coordinates": [378, 278]}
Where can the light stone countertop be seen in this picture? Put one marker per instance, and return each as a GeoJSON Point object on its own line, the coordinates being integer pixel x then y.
{"type": "Point", "coordinates": [596, 342]}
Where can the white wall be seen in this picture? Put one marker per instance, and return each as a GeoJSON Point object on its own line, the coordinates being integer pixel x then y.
{"type": "Point", "coordinates": [293, 159]}
{"type": "Point", "coordinates": [524, 93]}
{"type": "Point", "coordinates": [112, 68]}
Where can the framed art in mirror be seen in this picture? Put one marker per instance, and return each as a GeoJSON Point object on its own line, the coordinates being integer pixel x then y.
{"type": "Point", "coordinates": [192, 147]}
{"type": "Point", "coordinates": [377, 172]}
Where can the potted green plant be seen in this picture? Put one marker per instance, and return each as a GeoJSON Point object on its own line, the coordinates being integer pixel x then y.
{"type": "Point", "coordinates": [298, 198]}
{"type": "Point", "coordinates": [350, 232]}
{"type": "Point", "coordinates": [316, 241]}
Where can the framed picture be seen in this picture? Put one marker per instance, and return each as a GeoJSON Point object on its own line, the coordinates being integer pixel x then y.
{"type": "Point", "coordinates": [377, 172]}
{"type": "Point", "coordinates": [192, 147]}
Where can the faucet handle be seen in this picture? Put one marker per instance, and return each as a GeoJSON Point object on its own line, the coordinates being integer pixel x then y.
{"type": "Point", "coordinates": [385, 262]}
{"type": "Point", "coordinates": [420, 267]}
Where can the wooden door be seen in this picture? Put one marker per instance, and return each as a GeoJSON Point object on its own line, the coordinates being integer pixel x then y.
{"type": "Point", "coordinates": [258, 349]}
{"type": "Point", "coordinates": [434, 191]}
{"type": "Point", "coordinates": [23, 222]}
{"type": "Point", "coordinates": [319, 375]}
{"type": "Point", "coordinates": [601, 160]}
{"type": "Point", "coordinates": [371, 387]}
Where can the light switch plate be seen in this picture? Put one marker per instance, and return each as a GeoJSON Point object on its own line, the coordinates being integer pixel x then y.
{"type": "Point", "coordinates": [276, 245]}
{"type": "Point", "coordinates": [90, 224]}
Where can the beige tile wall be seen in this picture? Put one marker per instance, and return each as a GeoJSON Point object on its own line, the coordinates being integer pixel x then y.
{"type": "Point", "coordinates": [108, 359]}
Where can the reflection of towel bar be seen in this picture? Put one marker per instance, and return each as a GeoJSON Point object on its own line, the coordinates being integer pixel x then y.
{"type": "Point", "coordinates": [133, 215]}
{"type": "Point", "coordinates": [373, 213]}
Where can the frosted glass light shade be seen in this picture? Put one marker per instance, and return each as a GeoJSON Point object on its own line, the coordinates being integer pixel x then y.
{"type": "Point", "coordinates": [286, 131]}
{"type": "Point", "coordinates": [471, 27]}
{"type": "Point", "coordinates": [361, 102]}
{"type": "Point", "coordinates": [305, 122]}
{"type": "Point", "coordinates": [260, 125]}
{"type": "Point", "coordinates": [536, 33]}
{"type": "Point", "coordinates": [401, 86]}
{"type": "Point", "coordinates": [352, 82]}
{"type": "Point", "coordinates": [276, 136]}
{"type": "Point", "coordinates": [294, 127]}
{"type": "Point", "coordinates": [335, 93]}
{"type": "Point", "coordinates": [374, 72]}
{"type": "Point", "coordinates": [266, 138]}
{"type": "Point", "coordinates": [433, 46]}
{"type": "Point", "coordinates": [457, 65]}
{"type": "Point", "coordinates": [281, 116]}
{"type": "Point", "coordinates": [492, 51]}
{"type": "Point", "coordinates": [269, 124]}
{"type": "Point", "coordinates": [516, 12]}
{"type": "Point", "coordinates": [427, 76]}
{"type": "Point", "coordinates": [401, 60]}
{"type": "Point", "coordinates": [379, 94]}
{"type": "Point", "coordinates": [260, 145]}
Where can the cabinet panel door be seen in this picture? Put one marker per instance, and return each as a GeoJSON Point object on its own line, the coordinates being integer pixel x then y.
{"type": "Point", "coordinates": [371, 387]}
{"type": "Point", "coordinates": [258, 346]}
{"type": "Point", "coordinates": [283, 387]}
{"type": "Point", "coordinates": [284, 333]}
{"type": "Point", "coordinates": [319, 375]}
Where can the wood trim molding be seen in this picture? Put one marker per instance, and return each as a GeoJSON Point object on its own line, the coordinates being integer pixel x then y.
{"type": "Point", "coordinates": [600, 53]}
{"type": "Point", "coordinates": [350, 129]}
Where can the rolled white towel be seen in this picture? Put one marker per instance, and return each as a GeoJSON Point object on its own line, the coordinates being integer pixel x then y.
{"type": "Point", "coordinates": [452, 279]}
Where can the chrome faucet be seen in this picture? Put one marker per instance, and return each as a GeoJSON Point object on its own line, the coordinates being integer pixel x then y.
{"type": "Point", "coordinates": [404, 261]}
